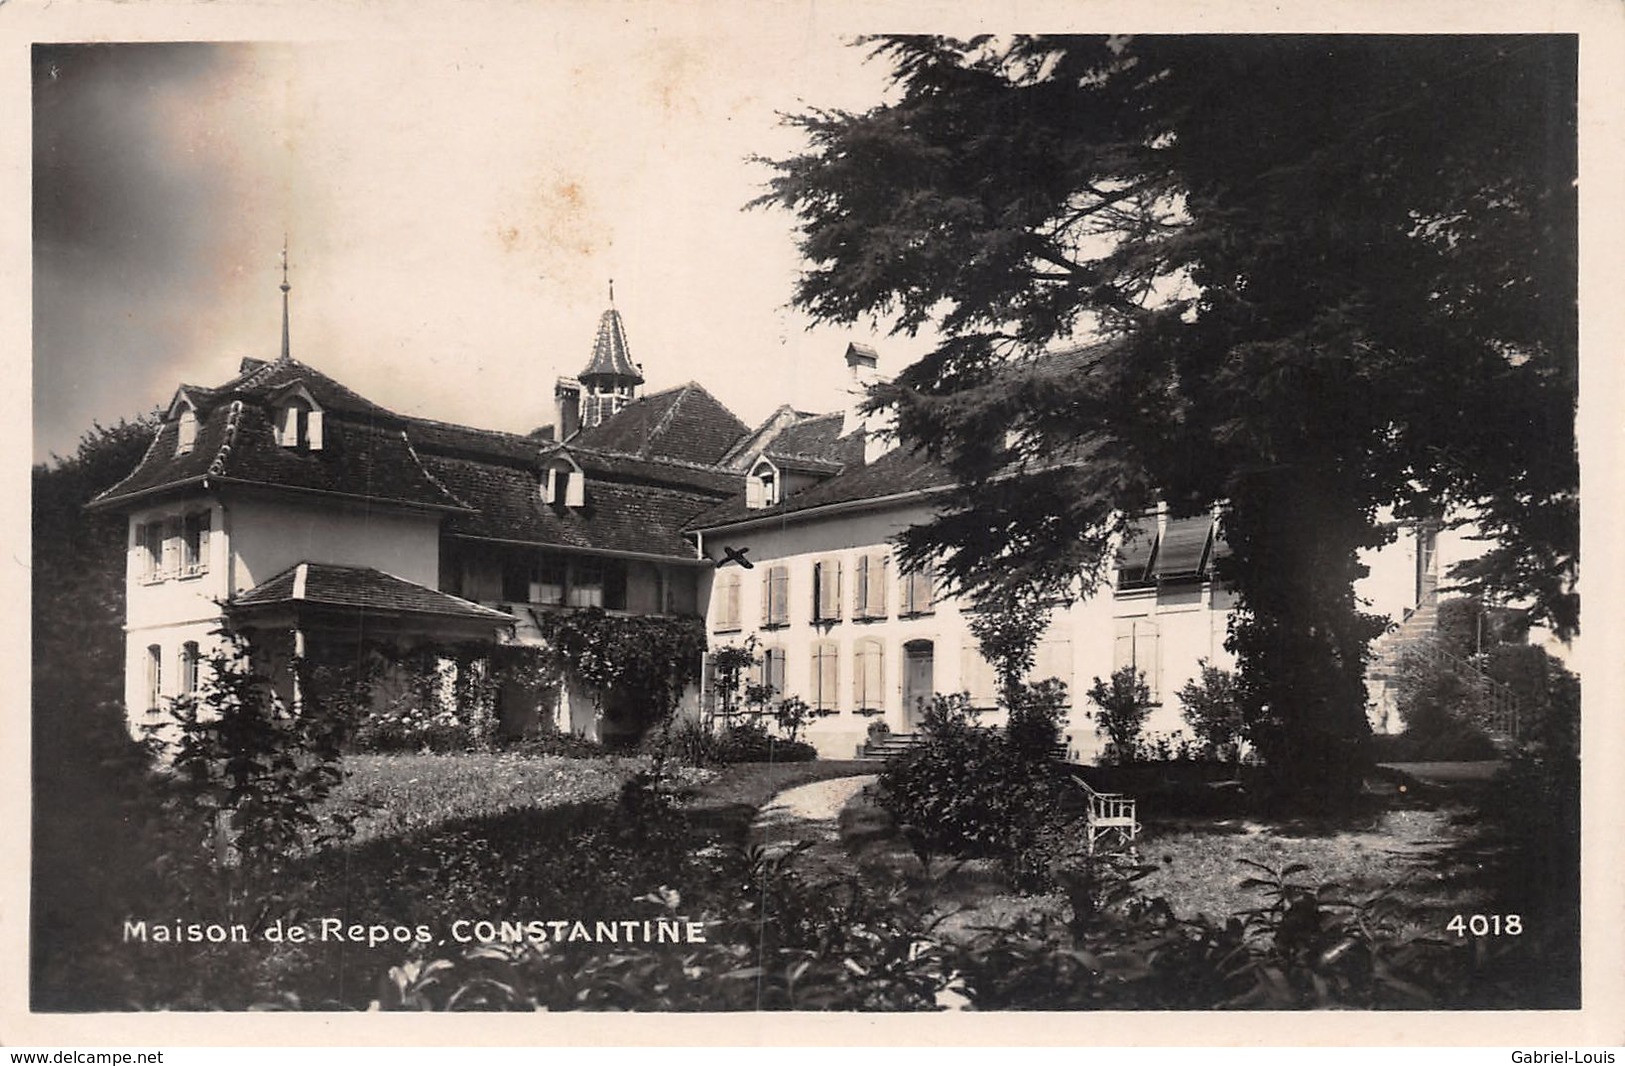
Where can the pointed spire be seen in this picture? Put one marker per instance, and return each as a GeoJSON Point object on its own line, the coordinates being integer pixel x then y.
{"type": "Point", "coordinates": [611, 355]}
{"type": "Point", "coordinates": [286, 356]}
{"type": "Point", "coordinates": [612, 292]}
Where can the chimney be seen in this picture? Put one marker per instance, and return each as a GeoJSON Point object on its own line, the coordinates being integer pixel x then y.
{"type": "Point", "coordinates": [863, 365]}
{"type": "Point", "coordinates": [567, 407]}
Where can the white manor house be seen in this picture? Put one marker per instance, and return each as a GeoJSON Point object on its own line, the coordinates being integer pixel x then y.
{"type": "Point", "coordinates": [282, 502]}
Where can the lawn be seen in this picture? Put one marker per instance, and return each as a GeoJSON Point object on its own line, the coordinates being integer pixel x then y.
{"type": "Point", "coordinates": [395, 795]}
{"type": "Point", "coordinates": [1199, 869]}
{"type": "Point", "coordinates": [1423, 854]}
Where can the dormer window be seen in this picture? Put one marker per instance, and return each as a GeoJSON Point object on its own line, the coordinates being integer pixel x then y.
{"type": "Point", "coordinates": [563, 483]}
{"type": "Point", "coordinates": [762, 486]}
{"type": "Point", "coordinates": [187, 436]}
{"type": "Point", "coordinates": [299, 424]}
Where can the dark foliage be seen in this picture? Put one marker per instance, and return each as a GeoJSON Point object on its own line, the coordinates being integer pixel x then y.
{"type": "Point", "coordinates": [968, 791]}
{"type": "Point", "coordinates": [637, 667]}
{"type": "Point", "coordinates": [1209, 706]}
{"type": "Point", "coordinates": [1319, 299]}
{"type": "Point", "coordinates": [1121, 708]}
{"type": "Point", "coordinates": [746, 740]}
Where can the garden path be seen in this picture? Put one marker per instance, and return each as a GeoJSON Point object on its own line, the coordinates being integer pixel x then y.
{"type": "Point", "coordinates": [805, 813]}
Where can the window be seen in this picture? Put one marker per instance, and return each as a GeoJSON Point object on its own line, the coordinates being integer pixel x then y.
{"type": "Point", "coordinates": [299, 425]}
{"type": "Point", "coordinates": [172, 546]}
{"type": "Point", "coordinates": [150, 545]}
{"type": "Point", "coordinates": [1138, 644]}
{"type": "Point", "coordinates": [1053, 659]}
{"type": "Point", "coordinates": [977, 677]}
{"type": "Point", "coordinates": [762, 486]}
{"type": "Point", "coordinates": [195, 543]}
{"type": "Point", "coordinates": [547, 580]}
{"type": "Point", "coordinates": [155, 678]}
{"type": "Point", "coordinates": [919, 589]}
{"type": "Point", "coordinates": [587, 584]}
{"type": "Point", "coordinates": [827, 590]}
{"type": "Point", "coordinates": [868, 675]}
{"type": "Point", "coordinates": [727, 600]}
{"type": "Point", "coordinates": [593, 582]}
{"type": "Point", "coordinates": [187, 436]}
{"type": "Point", "coordinates": [776, 596]}
{"type": "Point", "coordinates": [516, 578]}
{"type": "Point", "coordinates": [188, 668]}
{"type": "Point", "coordinates": [869, 587]}
{"type": "Point", "coordinates": [1135, 553]}
{"type": "Point", "coordinates": [825, 676]}
{"type": "Point", "coordinates": [565, 485]}
{"type": "Point", "coordinates": [770, 670]}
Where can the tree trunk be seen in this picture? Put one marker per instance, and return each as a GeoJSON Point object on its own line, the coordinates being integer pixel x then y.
{"type": "Point", "coordinates": [1301, 641]}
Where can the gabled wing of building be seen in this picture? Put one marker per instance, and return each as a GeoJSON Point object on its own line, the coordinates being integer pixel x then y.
{"type": "Point", "coordinates": [364, 452]}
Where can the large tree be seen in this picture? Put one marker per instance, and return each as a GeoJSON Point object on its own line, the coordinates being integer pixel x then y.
{"type": "Point", "coordinates": [1324, 280]}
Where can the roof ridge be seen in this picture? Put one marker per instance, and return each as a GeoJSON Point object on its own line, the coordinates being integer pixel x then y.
{"type": "Point", "coordinates": [234, 417]}
{"type": "Point", "coordinates": [417, 459]}
{"type": "Point", "coordinates": [151, 446]}
{"type": "Point", "coordinates": [660, 460]}
{"type": "Point", "coordinates": [665, 421]}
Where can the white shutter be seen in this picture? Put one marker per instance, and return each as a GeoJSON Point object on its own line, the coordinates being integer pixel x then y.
{"type": "Point", "coordinates": [868, 676]}
{"type": "Point", "coordinates": [874, 584]}
{"type": "Point", "coordinates": [575, 490]}
{"type": "Point", "coordinates": [829, 677]}
{"type": "Point", "coordinates": [754, 498]}
{"type": "Point", "coordinates": [778, 612]}
{"type": "Point", "coordinates": [1148, 656]}
{"type": "Point", "coordinates": [288, 435]}
{"type": "Point", "coordinates": [1054, 660]}
{"type": "Point", "coordinates": [1123, 644]}
{"type": "Point", "coordinates": [314, 430]}
{"type": "Point", "coordinates": [775, 670]}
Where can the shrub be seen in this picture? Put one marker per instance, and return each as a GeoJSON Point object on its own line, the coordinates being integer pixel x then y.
{"type": "Point", "coordinates": [1122, 707]}
{"type": "Point", "coordinates": [968, 791]}
{"type": "Point", "coordinates": [1209, 706]}
{"type": "Point", "coordinates": [1036, 714]}
{"type": "Point", "coordinates": [249, 775]}
{"type": "Point", "coordinates": [1438, 706]}
{"type": "Point", "coordinates": [694, 744]}
{"type": "Point", "coordinates": [1547, 695]}
{"type": "Point", "coordinates": [750, 741]}
{"type": "Point", "coordinates": [565, 745]}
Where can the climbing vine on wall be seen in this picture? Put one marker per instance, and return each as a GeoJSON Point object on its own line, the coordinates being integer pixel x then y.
{"type": "Point", "coordinates": [636, 667]}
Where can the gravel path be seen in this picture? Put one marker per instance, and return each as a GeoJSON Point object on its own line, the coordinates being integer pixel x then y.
{"type": "Point", "coordinates": [807, 812]}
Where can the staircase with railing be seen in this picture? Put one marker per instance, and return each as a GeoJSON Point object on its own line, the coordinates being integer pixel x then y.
{"type": "Point", "coordinates": [1494, 707]}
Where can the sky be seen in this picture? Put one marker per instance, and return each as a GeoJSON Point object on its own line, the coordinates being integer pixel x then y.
{"type": "Point", "coordinates": [454, 212]}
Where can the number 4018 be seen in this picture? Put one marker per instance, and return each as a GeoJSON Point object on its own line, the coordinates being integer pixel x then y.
{"type": "Point", "coordinates": [1486, 925]}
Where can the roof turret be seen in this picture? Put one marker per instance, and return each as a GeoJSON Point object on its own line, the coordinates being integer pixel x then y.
{"type": "Point", "coordinates": [611, 355]}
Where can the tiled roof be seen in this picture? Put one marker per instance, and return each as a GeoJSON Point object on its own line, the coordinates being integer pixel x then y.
{"type": "Point", "coordinates": [642, 518]}
{"type": "Point", "coordinates": [819, 437]}
{"type": "Point", "coordinates": [898, 471]}
{"type": "Point", "coordinates": [268, 380]}
{"type": "Point", "coordinates": [445, 438]}
{"type": "Point", "coordinates": [801, 464]}
{"type": "Point", "coordinates": [611, 355]}
{"type": "Point", "coordinates": [236, 443]}
{"type": "Point", "coordinates": [685, 423]}
{"type": "Point", "coordinates": [361, 588]}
